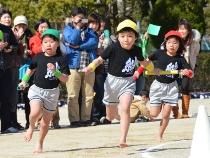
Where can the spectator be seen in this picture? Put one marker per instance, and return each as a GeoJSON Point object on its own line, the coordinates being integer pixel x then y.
{"type": "Point", "coordinates": [82, 41]}
{"type": "Point", "coordinates": [8, 45]}
{"type": "Point", "coordinates": [138, 109]}
{"type": "Point", "coordinates": [191, 39]}
{"type": "Point", "coordinates": [35, 42]}
{"type": "Point", "coordinates": [99, 109]}
{"type": "Point", "coordinates": [20, 57]}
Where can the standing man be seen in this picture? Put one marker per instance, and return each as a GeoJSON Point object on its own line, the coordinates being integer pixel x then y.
{"type": "Point", "coordinates": [8, 45]}
{"type": "Point", "coordinates": [81, 43]}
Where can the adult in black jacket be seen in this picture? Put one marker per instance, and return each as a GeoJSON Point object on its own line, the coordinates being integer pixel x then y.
{"type": "Point", "coordinates": [8, 45]}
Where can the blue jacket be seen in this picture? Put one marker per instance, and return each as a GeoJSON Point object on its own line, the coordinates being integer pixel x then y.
{"type": "Point", "coordinates": [72, 36]}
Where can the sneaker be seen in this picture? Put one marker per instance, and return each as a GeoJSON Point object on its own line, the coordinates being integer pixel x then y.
{"type": "Point", "coordinates": [75, 124]}
{"type": "Point", "coordinates": [56, 126]}
{"type": "Point", "coordinates": [18, 126]}
{"type": "Point", "coordinates": [141, 120]}
{"type": "Point", "coordinates": [104, 120]}
{"type": "Point", "coordinates": [88, 123]}
{"type": "Point", "coordinates": [11, 130]}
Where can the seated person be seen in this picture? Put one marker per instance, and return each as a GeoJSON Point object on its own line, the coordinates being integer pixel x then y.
{"type": "Point", "coordinates": [138, 108]}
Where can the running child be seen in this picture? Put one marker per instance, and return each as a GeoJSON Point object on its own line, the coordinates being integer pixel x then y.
{"type": "Point", "coordinates": [50, 68]}
{"type": "Point", "coordinates": [120, 85]}
{"type": "Point", "coordinates": [164, 89]}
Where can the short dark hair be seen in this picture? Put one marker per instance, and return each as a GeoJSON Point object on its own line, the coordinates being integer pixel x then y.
{"type": "Point", "coordinates": [144, 92]}
{"type": "Point", "coordinates": [78, 10]}
{"type": "Point", "coordinates": [94, 18]}
{"type": "Point", "coordinates": [5, 12]}
{"type": "Point", "coordinates": [40, 21]}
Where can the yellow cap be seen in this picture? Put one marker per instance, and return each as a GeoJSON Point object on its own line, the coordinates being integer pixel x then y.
{"type": "Point", "coordinates": [127, 23]}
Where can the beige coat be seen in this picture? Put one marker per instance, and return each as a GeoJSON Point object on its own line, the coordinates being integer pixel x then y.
{"type": "Point", "coordinates": [138, 108]}
{"type": "Point", "coordinates": [193, 49]}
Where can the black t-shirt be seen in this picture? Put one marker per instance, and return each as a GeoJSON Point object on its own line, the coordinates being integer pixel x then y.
{"type": "Point", "coordinates": [168, 63]}
{"type": "Point", "coordinates": [122, 61]}
{"type": "Point", "coordinates": [44, 78]}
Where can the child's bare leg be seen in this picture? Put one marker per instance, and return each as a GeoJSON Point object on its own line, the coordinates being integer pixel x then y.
{"type": "Point", "coordinates": [117, 116]}
{"type": "Point", "coordinates": [34, 114]}
{"type": "Point", "coordinates": [44, 128]}
{"type": "Point", "coordinates": [155, 111]}
{"type": "Point", "coordinates": [164, 122]}
{"type": "Point", "coordinates": [111, 112]}
{"type": "Point", "coordinates": [125, 102]}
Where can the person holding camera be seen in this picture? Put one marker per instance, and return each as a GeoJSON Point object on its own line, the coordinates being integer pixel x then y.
{"type": "Point", "coordinates": [79, 41]}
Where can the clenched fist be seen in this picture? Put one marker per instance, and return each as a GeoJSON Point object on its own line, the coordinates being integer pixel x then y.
{"type": "Point", "coordinates": [51, 67]}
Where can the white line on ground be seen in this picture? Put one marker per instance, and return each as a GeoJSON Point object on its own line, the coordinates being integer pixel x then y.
{"type": "Point", "coordinates": [146, 153]}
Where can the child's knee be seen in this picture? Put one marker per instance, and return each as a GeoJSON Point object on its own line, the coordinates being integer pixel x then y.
{"type": "Point", "coordinates": [154, 114]}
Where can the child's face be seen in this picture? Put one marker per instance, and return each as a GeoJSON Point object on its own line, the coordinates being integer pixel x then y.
{"type": "Point", "coordinates": [42, 27]}
{"type": "Point", "coordinates": [144, 98]}
{"type": "Point", "coordinates": [172, 45]}
{"type": "Point", "coordinates": [94, 26]}
{"type": "Point", "coordinates": [126, 39]}
{"type": "Point", "coordinates": [6, 20]}
{"type": "Point", "coordinates": [183, 31]}
{"type": "Point", "coordinates": [50, 46]}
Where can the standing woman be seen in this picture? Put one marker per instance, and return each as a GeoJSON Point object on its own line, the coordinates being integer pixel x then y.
{"type": "Point", "coordinates": [35, 42]}
{"type": "Point", "coordinates": [191, 38]}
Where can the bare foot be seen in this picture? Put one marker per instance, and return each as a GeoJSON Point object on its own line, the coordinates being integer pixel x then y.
{"type": "Point", "coordinates": [123, 145]}
{"type": "Point", "coordinates": [160, 139]}
{"type": "Point", "coordinates": [29, 134]}
{"type": "Point", "coordinates": [38, 148]}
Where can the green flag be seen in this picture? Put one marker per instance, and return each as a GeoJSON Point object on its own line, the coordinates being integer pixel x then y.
{"type": "Point", "coordinates": [153, 29]}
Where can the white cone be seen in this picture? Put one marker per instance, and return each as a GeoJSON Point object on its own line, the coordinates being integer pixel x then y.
{"type": "Point", "coordinates": [200, 147]}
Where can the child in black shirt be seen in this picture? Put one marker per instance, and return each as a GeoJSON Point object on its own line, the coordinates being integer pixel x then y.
{"type": "Point", "coordinates": [120, 85]}
{"type": "Point", "coordinates": [164, 89]}
{"type": "Point", "coordinates": [50, 68]}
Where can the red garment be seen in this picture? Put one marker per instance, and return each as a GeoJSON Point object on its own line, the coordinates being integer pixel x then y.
{"type": "Point", "coordinates": [35, 44]}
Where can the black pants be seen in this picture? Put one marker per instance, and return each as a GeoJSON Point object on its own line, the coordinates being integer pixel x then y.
{"type": "Point", "coordinates": [185, 86]}
{"type": "Point", "coordinates": [5, 94]}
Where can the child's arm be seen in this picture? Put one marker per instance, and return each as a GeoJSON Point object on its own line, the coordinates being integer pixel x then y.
{"type": "Point", "coordinates": [26, 78]}
{"type": "Point", "coordinates": [62, 77]}
{"type": "Point", "coordinates": [148, 65]}
{"type": "Point", "coordinates": [92, 66]}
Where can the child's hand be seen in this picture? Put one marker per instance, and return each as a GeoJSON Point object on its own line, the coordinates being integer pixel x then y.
{"type": "Point", "coordinates": [156, 71]}
{"type": "Point", "coordinates": [22, 85]}
{"type": "Point", "coordinates": [136, 75]}
{"type": "Point", "coordinates": [188, 73]}
{"type": "Point", "coordinates": [151, 119]}
{"type": "Point", "coordinates": [51, 67]}
{"type": "Point", "coordinates": [88, 70]}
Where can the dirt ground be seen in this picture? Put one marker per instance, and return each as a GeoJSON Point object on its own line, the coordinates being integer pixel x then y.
{"type": "Point", "coordinates": [102, 141]}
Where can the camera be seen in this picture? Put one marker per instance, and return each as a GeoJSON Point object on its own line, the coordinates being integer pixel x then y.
{"type": "Point", "coordinates": [83, 20]}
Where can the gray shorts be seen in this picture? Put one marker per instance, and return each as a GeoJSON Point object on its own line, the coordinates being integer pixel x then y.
{"type": "Point", "coordinates": [115, 87]}
{"type": "Point", "coordinates": [163, 93]}
{"type": "Point", "coordinates": [48, 97]}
